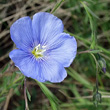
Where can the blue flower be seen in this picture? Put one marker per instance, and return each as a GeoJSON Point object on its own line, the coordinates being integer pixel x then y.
{"type": "Point", "coordinates": [43, 50]}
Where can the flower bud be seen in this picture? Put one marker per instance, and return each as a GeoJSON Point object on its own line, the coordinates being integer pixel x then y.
{"type": "Point", "coordinates": [102, 64]}
{"type": "Point", "coordinates": [97, 98]}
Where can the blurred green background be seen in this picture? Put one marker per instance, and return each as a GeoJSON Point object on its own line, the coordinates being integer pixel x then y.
{"type": "Point", "coordinates": [76, 91]}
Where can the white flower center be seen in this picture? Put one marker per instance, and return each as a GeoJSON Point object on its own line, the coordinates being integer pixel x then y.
{"type": "Point", "coordinates": [38, 51]}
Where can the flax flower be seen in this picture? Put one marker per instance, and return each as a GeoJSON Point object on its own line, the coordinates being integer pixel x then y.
{"type": "Point", "coordinates": [43, 49]}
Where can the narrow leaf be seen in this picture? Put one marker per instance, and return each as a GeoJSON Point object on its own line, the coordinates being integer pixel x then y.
{"type": "Point", "coordinates": [51, 97]}
{"type": "Point", "coordinates": [56, 6]}
{"type": "Point", "coordinates": [28, 95]}
{"type": "Point", "coordinates": [5, 68]}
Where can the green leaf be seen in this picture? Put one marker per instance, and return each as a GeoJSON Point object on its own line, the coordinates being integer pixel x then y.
{"type": "Point", "coordinates": [91, 16]}
{"type": "Point", "coordinates": [90, 11]}
{"type": "Point", "coordinates": [18, 72]}
{"type": "Point", "coordinates": [51, 97]}
{"type": "Point", "coordinates": [56, 6]}
{"type": "Point", "coordinates": [53, 105]}
{"type": "Point", "coordinates": [5, 68]}
{"type": "Point", "coordinates": [28, 95]}
{"type": "Point", "coordinates": [79, 78]}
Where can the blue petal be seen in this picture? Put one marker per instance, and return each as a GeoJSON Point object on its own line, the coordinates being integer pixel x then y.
{"type": "Point", "coordinates": [21, 33]}
{"type": "Point", "coordinates": [52, 71]}
{"type": "Point", "coordinates": [46, 26]}
{"type": "Point", "coordinates": [26, 63]}
{"type": "Point", "coordinates": [43, 70]}
{"type": "Point", "coordinates": [63, 49]}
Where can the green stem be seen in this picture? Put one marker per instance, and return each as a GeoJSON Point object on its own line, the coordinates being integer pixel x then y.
{"type": "Point", "coordinates": [96, 72]}
{"type": "Point", "coordinates": [25, 96]}
{"type": "Point", "coordinates": [90, 51]}
{"type": "Point", "coordinates": [56, 6]}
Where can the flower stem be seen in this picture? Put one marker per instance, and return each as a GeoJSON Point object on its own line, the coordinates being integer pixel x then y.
{"type": "Point", "coordinates": [25, 96]}
{"type": "Point", "coordinates": [56, 6]}
{"type": "Point", "coordinates": [90, 51]}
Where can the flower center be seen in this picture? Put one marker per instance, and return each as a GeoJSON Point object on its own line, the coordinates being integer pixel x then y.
{"type": "Point", "coordinates": [38, 51]}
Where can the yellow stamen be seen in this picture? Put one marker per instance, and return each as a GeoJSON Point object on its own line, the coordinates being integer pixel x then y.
{"type": "Point", "coordinates": [38, 51]}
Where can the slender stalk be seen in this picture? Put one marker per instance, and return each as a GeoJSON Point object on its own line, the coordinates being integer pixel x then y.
{"type": "Point", "coordinates": [57, 6]}
{"type": "Point", "coordinates": [96, 72]}
{"type": "Point", "coordinates": [97, 83]}
{"type": "Point", "coordinates": [87, 51]}
{"type": "Point", "coordinates": [90, 51]}
{"type": "Point", "coordinates": [25, 96]}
